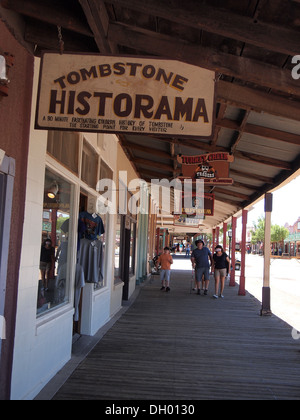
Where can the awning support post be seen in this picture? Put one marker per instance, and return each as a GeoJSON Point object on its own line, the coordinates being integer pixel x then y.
{"type": "Point", "coordinates": [232, 272]}
{"type": "Point", "coordinates": [242, 289]}
{"type": "Point", "coordinates": [266, 293]}
{"type": "Point", "coordinates": [225, 236]}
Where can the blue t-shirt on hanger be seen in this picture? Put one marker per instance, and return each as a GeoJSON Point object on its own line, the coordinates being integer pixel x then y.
{"type": "Point", "coordinates": [93, 225]}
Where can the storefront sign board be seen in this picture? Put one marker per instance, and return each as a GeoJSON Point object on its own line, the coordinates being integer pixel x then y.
{"type": "Point", "coordinates": [201, 206]}
{"type": "Point", "coordinates": [125, 94]}
{"type": "Point", "coordinates": [212, 168]}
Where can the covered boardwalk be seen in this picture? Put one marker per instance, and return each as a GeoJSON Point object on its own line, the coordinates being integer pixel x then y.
{"type": "Point", "coordinates": [180, 346]}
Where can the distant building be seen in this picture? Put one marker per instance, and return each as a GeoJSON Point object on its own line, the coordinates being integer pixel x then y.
{"type": "Point", "coordinates": [292, 243]}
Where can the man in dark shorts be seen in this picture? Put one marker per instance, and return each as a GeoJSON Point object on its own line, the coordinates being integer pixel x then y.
{"type": "Point", "coordinates": [200, 260]}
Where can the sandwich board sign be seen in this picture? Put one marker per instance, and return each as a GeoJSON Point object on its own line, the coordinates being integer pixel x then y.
{"type": "Point", "coordinates": [125, 94]}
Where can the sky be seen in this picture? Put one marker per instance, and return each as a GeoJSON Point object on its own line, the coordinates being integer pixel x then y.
{"type": "Point", "coordinates": [286, 206]}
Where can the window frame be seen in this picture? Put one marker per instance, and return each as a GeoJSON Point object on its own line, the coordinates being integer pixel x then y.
{"type": "Point", "coordinates": [7, 170]}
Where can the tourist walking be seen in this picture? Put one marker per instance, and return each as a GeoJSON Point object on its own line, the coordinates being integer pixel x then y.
{"type": "Point", "coordinates": [221, 262]}
{"type": "Point", "coordinates": [187, 250]}
{"type": "Point", "coordinates": [165, 260]}
{"type": "Point", "coordinates": [201, 257]}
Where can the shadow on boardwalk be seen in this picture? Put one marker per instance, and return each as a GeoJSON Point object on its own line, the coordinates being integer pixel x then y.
{"type": "Point", "coordinates": [180, 346]}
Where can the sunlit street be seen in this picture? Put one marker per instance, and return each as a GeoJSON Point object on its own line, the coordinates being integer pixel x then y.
{"type": "Point", "coordinates": [285, 286]}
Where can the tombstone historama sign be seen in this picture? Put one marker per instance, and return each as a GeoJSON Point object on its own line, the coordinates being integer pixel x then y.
{"type": "Point", "coordinates": [124, 94]}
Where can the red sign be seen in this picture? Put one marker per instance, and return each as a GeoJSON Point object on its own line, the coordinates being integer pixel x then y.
{"type": "Point", "coordinates": [213, 168]}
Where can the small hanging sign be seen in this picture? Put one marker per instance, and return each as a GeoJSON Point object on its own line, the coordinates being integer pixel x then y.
{"type": "Point", "coordinates": [6, 62]}
{"type": "Point", "coordinates": [213, 168]}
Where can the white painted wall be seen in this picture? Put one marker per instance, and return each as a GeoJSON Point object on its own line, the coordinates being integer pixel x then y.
{"type": "Point", "coordinates": [43, 345]}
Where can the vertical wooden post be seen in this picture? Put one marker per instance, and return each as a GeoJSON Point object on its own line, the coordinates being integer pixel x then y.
{"type": "Point", "coordinates": [214, 240]}
{"type": "Point", "coordinates": [225, 236]}
{"type": "Point", "coordinates": [242, 289]}
{"type": "Point", "coordinates": [157, 240]}
{"type": "Point", "coordinates": [232, 273]}
{"type": "Point", "coordinates": [266, 298]}
{"type": "Point", "coordinates": [217, 235]}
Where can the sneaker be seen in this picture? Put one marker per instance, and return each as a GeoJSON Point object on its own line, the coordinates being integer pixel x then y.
{"type": "Point", "coordinates": [216, 296]}
{"type": "Point", "coordinates": [198, 292]}
{"type": "Point", "coordinates": [168, 289]}
{"type": "Point", "coordinates": [205, 292]}
{"type": "Point", "coordinates": [163, 288]}
{"type": "Point", "coordinates": [221, 296]}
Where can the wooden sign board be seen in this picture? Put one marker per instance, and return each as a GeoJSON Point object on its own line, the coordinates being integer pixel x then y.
{"type": "Point", "coordinates": [185, 220]}
{"type": "Point", "coordinates": [201, 206]}
{"type": "Point", "coordinates": [125, 94]}
{"type": "Point", "coordinates": [213, 168]}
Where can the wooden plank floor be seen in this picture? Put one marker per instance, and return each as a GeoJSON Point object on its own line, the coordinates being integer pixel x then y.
{"type": "Point", "coordinates": [180, 346]}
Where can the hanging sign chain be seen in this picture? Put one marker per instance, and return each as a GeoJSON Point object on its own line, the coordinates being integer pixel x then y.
{"type": "Point", "coordinates": [60, 39]}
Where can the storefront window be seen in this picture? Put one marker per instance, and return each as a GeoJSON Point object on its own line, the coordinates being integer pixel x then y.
{"type": "Point", "coordinates": [132, 248]}
{"type": "Point", "coordinates": [64, 147]}
{"type": "Point", "coordinates": [118, 249]}
{"type": "Point", "coordinates": [54, 280]}
{"type": "Point", "coordinates": [103, 239]}
{"type": "Point", "coordinates": [89, 169]}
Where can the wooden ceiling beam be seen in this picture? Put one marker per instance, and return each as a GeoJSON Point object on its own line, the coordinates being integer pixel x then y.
{"type": "Point", "coordinates": [273, 134]}
{"type": "Point", "coordinates": [155, 175]}
{"type": "Point", "coordinates": [252, 175]}
{"type": "Point", "coordinates": [240, 131]}
{"type": "Point", "coordinates": [221, 22]}
{"type": "Point", "coordinates": [245, 98]}
{"type": "Point", "coordinates": [46, 12]}
{"type": "Point", "coordinates": [128, 152]}
{"type": "Point", "coordinates": [153, 164]}
{"type": "Point", "coordinates": [247, 186]}
{"type": "Point", "coordinates": [144, 149]}
{"type": "Point", "coordinates": [46, 37]}
{"type": "Point", "coordinates": [96, 14]}
{"type": "Point", "coordinates": [249, 70]}
{"type": "Point", "coordinates": [235, 204]}
{"type": "Point", "coordinates": [264, 160]}
{"type": "Point", "coordinates": [260, 131]}
{"type": "Point", "coordinates": [192, 144]}
{"type": "Point", "coordinates": [231, 193]}
{"type": "Point", "coordinates": [220, 116]}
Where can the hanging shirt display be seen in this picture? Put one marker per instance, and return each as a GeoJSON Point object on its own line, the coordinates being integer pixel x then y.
{"type": "Point", "coordinates": [91, 260]}
{"type": "Point", "coordinates": [90, 256]}
{"type": "Point", "coordinates": [93, 225]}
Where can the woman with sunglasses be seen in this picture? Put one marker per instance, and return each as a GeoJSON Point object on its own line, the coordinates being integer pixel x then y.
{"type": "Point", "coordinates": [221, 262]}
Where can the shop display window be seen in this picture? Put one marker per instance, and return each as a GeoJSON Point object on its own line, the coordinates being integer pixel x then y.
{"type": "Point", "coordinates": [118, 248]}
{"type": "Point", "coordinates": [126, 232]}
{"type": "Point", "coordinates": [64, 147]}
{"type": "Point", "coordinates": [132, 247]}
{"type": "Point", "coordinates": [56, 249]}
{"type": "Point", "coordinates": [89, 169]}
{"type": "Point", "coordinates": [103, 239]}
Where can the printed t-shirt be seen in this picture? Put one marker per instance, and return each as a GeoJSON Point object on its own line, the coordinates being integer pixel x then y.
{"type": "Point", "coordinates": [93, 225]}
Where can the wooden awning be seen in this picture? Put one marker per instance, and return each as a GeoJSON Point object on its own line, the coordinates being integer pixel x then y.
{"type": "Point", "coordinates": [250, 46]}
